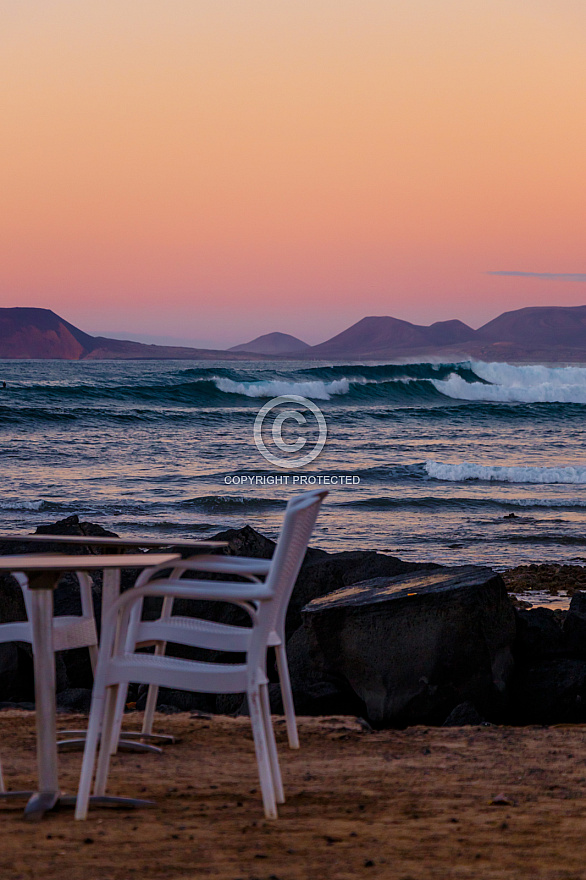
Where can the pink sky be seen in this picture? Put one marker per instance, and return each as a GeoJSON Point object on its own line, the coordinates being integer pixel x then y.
{"type": "Point", "coordinates": [212, 171]}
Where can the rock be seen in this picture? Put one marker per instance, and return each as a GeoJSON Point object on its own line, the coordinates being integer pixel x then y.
{"type": "Point", "coordinates": [315, 691]}
{"type": "Point", "coordinates": [246, 542]}
{"type": "Point", "coordinates": [72, 526]}
{"type": "Point", "coordinates": [413, 647]}
{"type": "Point", "coordinates": [12, 680]}
{"type": "Point", "coordinates": [539, 634]}
{"type": "Point", "coordinates": [25, 705]}
{"type": "Point", "coordinates": [232, 704]}
{"type": "Point", "coordinates": [321, 572]}
{"type": "Point", "coordinates": [330, 572]}
{"type": "Point", "coordinates": [574, 630]}
{"type": "Point", "coordinates": [178, 701]}
{"type": "Point", "coordinates": [578, 602]}
{"type": "Point", "coordinates": [75, 700]}
{"type": "Point", "coordinates": [463, 715]}
{"type": "Point", "coordinates": [552, 691]}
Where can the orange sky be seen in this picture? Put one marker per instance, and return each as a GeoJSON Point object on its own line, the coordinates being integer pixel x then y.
{"type": "Point", "coordinates": [216, 169]}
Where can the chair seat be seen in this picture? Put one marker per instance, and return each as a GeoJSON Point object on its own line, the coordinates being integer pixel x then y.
{"type": "Point", "coordinates": [185, 675]}
{"type": "Point", "coordinates": [74, 632]}
{"type": "Point", "coordinates": [198, 633]}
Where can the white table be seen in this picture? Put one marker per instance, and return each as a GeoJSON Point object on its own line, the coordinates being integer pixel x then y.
{"type": "Point", "coordinates": [134, 741]}
{"type": "Point", "coordinates": [111, 583]}
{"type": "Point", "coordinates": [43, 573]}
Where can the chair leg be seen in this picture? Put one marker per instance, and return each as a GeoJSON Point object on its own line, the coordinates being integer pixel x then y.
{"type": "Point", "coordinates": [152, 696]}
{"type": "Point", "coordinates": [272, 745]}
{"type": "Point", "coordinates": [2, 788]}
{"type": "Point", "coordinates": [287, 694]}
{"type": "Point", "coordinates": [118, 717]}
{"type": "Point", "coordinates": [89, 756]}
{"type": "Point", "coordinates": [262, 755]}
{"type": "Point", "coordinates": [149, 710]}
{"type": "Point", "coordinates": [93, 649]}
{"type": "Point", "coordinates": [103, 766]}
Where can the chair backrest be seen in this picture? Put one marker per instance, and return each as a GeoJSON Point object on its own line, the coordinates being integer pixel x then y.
{"type": "Point", "coordinates": [300, 517]}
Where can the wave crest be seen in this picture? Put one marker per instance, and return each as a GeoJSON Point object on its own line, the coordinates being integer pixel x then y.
{"type": "Point", "coordinates": [507, 383]}
{"type": "Point", "coordinates": [457, 473]}
{"type": "Point", "coordinates": [315, 390]}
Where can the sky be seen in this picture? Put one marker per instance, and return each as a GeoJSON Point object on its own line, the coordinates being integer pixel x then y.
{"type": "Point", "coordinates": [211, 170]}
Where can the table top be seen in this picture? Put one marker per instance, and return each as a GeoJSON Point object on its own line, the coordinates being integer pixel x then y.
{"type": "Point", "coordinates": [61, 562]}
{"type": "Point", "coordinates": [101, 541]}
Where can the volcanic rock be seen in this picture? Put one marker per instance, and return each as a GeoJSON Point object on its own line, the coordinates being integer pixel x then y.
{"type": "Point", "coordinates": [414, 647]}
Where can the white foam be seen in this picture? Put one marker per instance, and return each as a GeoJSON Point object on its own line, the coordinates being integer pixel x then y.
{"type": "Point", "coordinates": [518, 384]}
{"type": "Point", "coordinates": [21, 505]}
{"type": "Point", "coordinates": [503, 474]}
{"type": "Point", "coordinates": [316, 390]}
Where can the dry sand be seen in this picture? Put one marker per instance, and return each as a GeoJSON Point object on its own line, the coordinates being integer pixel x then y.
{"type": "Point", "coordinates": [483, 802]}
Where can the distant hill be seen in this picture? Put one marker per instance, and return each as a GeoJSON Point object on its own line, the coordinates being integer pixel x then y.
{"type": "Point", "coordinates": [273, 343]}
{"type": "Point", "coordinates": [538, 334]}
{"type": "Point", "coordinates": [39, 333]}
{"type": "Point", "coordinates": [539, 325]}
{"type": "Point", "coordinates": [380, 335]}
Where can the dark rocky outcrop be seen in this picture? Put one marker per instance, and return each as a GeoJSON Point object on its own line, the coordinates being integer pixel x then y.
{"type": "Point", "coordinates": [321, 573]}
{"type": "Point", "coordinates": [550, 691]}
{"type": "Point", "coordinates": [463, 715]}
{"type": "Point", "coordinates": [414, 647]}
{"type": "Point", "coordinates": [453, 665]}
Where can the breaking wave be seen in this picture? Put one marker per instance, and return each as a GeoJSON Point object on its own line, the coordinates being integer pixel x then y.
{"type": "Point", "coordinates": [394, 384]}
{"type": "Point", "coordinates": [517, 384]}
{"type": "Point", "coordinates": [463, 471]}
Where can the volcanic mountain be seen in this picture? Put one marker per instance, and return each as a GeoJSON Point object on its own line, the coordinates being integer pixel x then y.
{"type": "Point", "coordinates": [40, 333]}
{"type": "Point", "coordinates": [379, 335]}
{"type": "Point", "coordinates": [273, 343]}
{"type": "Point", "coordinates": [538, 334]}
{"type": "Point", "coordinates": [539, 325]}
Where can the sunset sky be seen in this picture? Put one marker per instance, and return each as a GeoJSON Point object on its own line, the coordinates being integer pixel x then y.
{"type": "Point", "coordinates": [210, 170]}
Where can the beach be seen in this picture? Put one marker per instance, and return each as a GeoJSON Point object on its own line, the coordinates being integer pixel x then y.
{"type": "Point", "coordinates": [487, 802]}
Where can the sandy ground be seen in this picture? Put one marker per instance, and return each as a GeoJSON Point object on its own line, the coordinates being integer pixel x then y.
{"type": "Point", "coordinates": [483, 802]}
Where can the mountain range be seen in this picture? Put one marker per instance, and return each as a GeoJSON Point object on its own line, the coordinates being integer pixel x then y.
{"type": "Point", "coordinates": [533, 334]}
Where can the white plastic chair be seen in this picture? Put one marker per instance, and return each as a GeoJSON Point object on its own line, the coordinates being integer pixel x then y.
{"type": "Point", "coordinates": [266, 605]}
{"type": "Point", "coordinates": [69, 631]}
{"type": "Point", "coordinates": [217, 636]}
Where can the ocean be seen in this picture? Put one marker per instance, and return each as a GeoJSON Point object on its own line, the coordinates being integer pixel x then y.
{"type": "Point", "coordinates": [449, 462]}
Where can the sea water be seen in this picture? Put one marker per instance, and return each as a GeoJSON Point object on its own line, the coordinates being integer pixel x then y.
{"type": "Point", "coordinates": [451, 462]}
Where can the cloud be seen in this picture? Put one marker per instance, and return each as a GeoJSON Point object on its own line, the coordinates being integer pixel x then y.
{"type": "Point", "coordinates": [546, 276]}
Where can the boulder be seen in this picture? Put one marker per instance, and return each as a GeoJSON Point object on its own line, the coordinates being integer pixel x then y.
{"type": "Point", "coordinates": [315, 691]}
{"type": "Point", "coordinates": [539, 634]}
{"type": "Point", "coordinates": [75, 700]}
{"type": "Point", "coordinates": [464, 715]}
{"type": "Point", "coordinates": [552, 691]}
{"type": "Point", "coordinates": [574, 630]}
{"type": "Point", "coordinates": [578, 602]}
{"type": "Point", "coordinates": [414, 647]}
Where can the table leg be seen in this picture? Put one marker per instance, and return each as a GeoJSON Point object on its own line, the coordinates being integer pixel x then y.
{"type": "Point", "coordinates": [44, 668]}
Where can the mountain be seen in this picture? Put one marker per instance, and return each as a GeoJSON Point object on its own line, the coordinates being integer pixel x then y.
{"type": "Point", "coordinates": [538, 334]}
{"type": "Point", "coordinates": [273, 343]}
{"type": "Point", "coordinates": [40, 333]}
{"type": "Point", "coordinates": [539, 325]}
{"type": "Point", "coordinates": [383, 335]}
